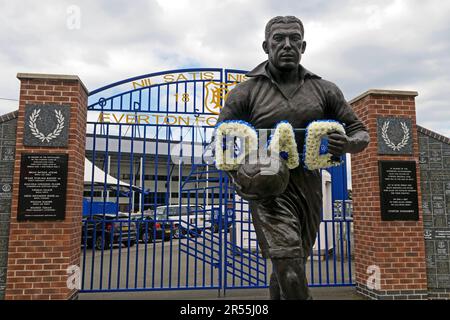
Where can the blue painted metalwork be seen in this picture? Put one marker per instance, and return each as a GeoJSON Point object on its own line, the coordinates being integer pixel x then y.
{"type": "Point", "coordinates": [153, 222]}
{"type": "Point", "coordinates": [98, 207]}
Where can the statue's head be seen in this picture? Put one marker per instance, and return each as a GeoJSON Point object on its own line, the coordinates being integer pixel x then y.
{"type": "Point", "coordinates": [284, 42]}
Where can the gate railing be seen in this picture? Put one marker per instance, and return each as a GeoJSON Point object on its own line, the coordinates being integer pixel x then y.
{"type": "Point", "coordinates": [136, 235]}
{"type": "Point", "coordinates": [330, 262]}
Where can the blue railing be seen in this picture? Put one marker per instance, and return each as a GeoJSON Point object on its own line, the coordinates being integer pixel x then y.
{"type": "Point", "coordinates": [136, 236]}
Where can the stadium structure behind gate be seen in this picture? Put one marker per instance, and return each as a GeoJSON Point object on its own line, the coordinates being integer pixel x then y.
{"type": "Point", "coordinates": [158, 216]}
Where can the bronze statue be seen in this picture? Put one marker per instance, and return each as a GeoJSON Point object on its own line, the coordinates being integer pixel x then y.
{"type": "Point", "coordinates": [282, 89]}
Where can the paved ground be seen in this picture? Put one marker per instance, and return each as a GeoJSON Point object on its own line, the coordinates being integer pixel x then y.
{"type": "Point", "coordinates": [328, 293]}
{"type": "Point", "coordinates": [188, 263]}
{"type": "Point", "coordinates": [192, 263]}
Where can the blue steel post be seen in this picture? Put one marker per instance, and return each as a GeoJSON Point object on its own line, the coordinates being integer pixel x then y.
{"type": "Point", "coordinates": [103, 207]}
{"type": "Point", "coordinates": [131, 201]}
{"type": "Point", "coordinates": [188, 240]}
{"type": "Point", "coordinates": [139, 220]}
{"type": "Point", "coordinates": [155, 196]}
{"type": "Point", "coordinates": [349, 221]}
{"type": "Point", "coordinates": [119, 158]}
{"type": "Point", "coordinates": [144, 153]}
{"type": "Point", "coordinates": [112, 232]}
{"type": "Point", "coordinates": [327, 252]}
{"type": "Point", "coordinates": [180, 197]}
{"type": "Point", "coordinates": [94, 232]}
{"type": "Point", "coordinates": [168, 185]}
{"type": "Point", "coordinates": [170, 246]}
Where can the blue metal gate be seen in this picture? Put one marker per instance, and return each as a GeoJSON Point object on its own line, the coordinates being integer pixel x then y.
{"type": "Point", "coordinates": [158, 216]}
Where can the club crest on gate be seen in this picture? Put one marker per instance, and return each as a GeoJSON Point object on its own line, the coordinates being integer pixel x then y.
{"type": "Point", "coordinates": [216, 94]}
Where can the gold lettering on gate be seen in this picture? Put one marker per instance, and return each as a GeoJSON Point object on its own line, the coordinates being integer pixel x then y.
{"type": "Point", "coordinates": [173, 119]}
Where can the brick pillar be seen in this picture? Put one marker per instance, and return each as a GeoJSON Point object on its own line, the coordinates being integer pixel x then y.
{"type": "Point", "coordinates": [396, 247]}
{"type": "Point", "coordinates": [41, 251]}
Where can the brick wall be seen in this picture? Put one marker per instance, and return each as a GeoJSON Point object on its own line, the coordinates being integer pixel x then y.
{"type": "Point", "coordinates": [40, 252]}
{"type": "Point", "coordinates": [396, 247]}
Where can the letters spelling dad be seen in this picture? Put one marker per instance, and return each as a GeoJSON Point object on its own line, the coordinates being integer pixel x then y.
{"type": "Point", "coordinates": [315, 150]}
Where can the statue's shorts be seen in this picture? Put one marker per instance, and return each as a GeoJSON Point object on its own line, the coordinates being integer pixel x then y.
{"type": "Point", "coordinates": [286, 226]}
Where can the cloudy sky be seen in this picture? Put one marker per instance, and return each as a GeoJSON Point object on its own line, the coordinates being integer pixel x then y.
{"type": "Point", "coordinates": [358, 44]}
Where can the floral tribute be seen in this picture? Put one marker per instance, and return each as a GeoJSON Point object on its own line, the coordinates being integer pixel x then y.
{"type": "Point", "coordinates": [315, 151]}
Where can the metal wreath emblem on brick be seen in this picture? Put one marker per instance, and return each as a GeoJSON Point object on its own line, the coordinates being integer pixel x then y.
{"type": "Point", "coordinates": [388, 142]}
{"type": "Point", "coordinates": [52, 135]}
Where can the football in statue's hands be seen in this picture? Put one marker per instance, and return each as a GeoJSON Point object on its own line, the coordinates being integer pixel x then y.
{"type": "Point", "coordinates": [263, 179]}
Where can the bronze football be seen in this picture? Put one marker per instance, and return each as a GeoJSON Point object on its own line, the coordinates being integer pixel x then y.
{"type": "Point", "coordinates": [263, 179]}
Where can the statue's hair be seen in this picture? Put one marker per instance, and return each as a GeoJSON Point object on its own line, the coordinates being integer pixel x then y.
{"type": "Point", "coordinates": [281, 19]}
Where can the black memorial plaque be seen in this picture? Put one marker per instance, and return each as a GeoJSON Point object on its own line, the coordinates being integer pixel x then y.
{"type": "Point", "coordinates": [398, 190]}
{"type": "Point", "coordinates": [394, 135]}
{"type": "Point", "coordinates": [42, 187]}
{"type": "Point", "coordinates": [46, 125]}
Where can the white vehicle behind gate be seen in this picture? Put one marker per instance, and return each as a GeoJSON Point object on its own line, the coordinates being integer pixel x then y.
{"type": "Point", "coordinates": [185, 218]}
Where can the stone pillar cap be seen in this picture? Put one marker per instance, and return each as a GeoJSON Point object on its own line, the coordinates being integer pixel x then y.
{"type": "Point", "coordinates": [52, 77]}
{"type": "Point", "coordinates": [384, 92]}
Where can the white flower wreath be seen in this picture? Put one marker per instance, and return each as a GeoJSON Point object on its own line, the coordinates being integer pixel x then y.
{"type": "Point", "coordinates": [313, 158]}
{"type": "Point", "coordinates": [225, 159]}
{"type": "Point", "coordinates": [283, 142]}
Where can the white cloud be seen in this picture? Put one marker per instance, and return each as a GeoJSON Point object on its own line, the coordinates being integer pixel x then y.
{"type": "Point", "coordinates": [359, 44]}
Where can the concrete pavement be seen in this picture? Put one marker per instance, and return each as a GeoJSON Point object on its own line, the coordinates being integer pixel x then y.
{"type": "Point", "coordinates": [318, 293]}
